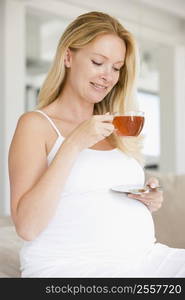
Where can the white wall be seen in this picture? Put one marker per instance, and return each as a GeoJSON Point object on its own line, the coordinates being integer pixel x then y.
{"type": "Point", "coordinates": [12, 73]}
{"type": "Point", "coordinates": [172, 93]}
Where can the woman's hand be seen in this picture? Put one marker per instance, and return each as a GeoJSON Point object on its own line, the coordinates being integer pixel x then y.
{"type": "Point", "coordinates": [153, 198]}
{"type": "Point", "coordinates": [91, 131]}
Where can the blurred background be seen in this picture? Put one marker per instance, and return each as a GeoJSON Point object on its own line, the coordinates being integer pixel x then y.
{"type": "Point", "coordinates": [29, 33]}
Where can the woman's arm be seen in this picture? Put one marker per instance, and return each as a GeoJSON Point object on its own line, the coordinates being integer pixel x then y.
{"type": "Point", "coordinates": [35, 187]}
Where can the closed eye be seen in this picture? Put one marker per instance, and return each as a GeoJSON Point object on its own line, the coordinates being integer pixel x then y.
{"type": "Point", "coordinates": [117, 70]}
{"type": "Point", "coordinates": [99, 64]}
{"type": "Point", "coordinates": [95, 63]}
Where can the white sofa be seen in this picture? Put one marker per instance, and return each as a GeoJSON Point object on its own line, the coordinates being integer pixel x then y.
{"type": "Point", "coordinates": [169, 223]}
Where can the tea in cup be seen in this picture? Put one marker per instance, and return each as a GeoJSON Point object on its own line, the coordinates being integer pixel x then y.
{"type": "Point", "coordinates": [129, 124]}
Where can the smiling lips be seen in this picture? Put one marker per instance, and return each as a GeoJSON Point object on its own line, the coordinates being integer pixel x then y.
{"type": "Point", "coordinates": [98, 86]}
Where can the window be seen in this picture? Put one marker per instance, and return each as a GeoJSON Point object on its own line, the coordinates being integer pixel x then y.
{"type": "Point", "coordinates": [149, 103]}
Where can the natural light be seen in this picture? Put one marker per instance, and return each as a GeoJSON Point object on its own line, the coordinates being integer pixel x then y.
{"type": "Point", "coordinates": [149, 103]}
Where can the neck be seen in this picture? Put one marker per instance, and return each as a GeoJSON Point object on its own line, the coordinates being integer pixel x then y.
{"type": "Point", "coordinates": [74, 107]}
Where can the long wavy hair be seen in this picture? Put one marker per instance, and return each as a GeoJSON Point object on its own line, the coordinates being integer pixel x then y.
{"type": "Point", "coordinates": [84, 29]}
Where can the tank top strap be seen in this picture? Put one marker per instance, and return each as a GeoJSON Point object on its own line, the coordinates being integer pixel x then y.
{"type": "Point", "coordinates": [51, 122]}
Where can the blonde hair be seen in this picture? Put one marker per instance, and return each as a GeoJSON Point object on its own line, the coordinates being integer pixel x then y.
{"type": "Point", "coordinates": [121, 98]}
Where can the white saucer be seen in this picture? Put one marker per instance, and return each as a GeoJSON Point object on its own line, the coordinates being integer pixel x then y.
{"type": "Point", "coordinates": [128, 189]}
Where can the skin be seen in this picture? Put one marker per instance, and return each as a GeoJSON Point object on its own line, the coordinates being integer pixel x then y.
{"type": "Point", "coordinates": [97, 62]}
{"type": "Point", "coordinates": [153, 199]}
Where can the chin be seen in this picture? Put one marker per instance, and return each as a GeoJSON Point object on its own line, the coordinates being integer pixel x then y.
{"type": "Point", "coordinates": [95, 98]}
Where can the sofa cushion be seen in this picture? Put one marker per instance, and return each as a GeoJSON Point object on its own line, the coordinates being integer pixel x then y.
{"type": "Point", "coordinates": [169, 220]}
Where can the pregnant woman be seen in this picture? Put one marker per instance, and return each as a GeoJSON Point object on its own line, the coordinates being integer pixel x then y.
{"type": "Point", "coordinates": [65, 156]}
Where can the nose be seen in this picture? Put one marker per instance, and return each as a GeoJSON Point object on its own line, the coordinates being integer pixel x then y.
{"type": "Point", "coordinates": [107, 75]}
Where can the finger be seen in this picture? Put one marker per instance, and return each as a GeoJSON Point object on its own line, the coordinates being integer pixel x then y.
{"type": "Point", "coordinates": [150, 195]}
{"type": "Point", "coordinates": [106, 117]}
{"type": "Point", "coordinates": [106, 129]}
{"type": "Point", "coordinates": [108, 126]}
{"type": "Point", "coordinates": [150, 203]}
{"type": "Point", "coordinates": [153, 182]}
{"type": "Point", "coordinates": [154, 199]}
{"type": "Point", "coordinates": [155, 195]}
{"type": "Point", "coordinates": [134, 196]}
{"type": "Point", "coordinates": [154, 202]}
{"type": "Point", "coordinates": [106, 132]}
{"type": "Point", "coordinates": [153, 208]}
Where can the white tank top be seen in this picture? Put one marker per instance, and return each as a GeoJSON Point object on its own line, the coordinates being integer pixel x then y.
{"type": "Point", "coordinates": [91, 221]}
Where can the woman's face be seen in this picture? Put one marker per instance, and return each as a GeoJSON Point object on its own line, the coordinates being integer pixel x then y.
{"type": "Point", "coordinates": [94, 70]}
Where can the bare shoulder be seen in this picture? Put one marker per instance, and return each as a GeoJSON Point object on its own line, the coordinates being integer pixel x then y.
{"type": "Point", "coordinates": [27, 157]}
{"type": "Point", "coordinates": [31, 125]}
{"type": "Point", "coordinates": [29, 136]}
{"type": "Point", "coordinates": [31, 119]}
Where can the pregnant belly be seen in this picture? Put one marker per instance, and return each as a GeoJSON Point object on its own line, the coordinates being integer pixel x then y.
{"type": "Point", "coordinates": [106, 223]}
{"type": "Point", "coordinates": [125, 225]}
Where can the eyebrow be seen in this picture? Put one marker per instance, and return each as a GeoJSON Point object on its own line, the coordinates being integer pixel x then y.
{"type": "Point", "coordinates": [107, 57]}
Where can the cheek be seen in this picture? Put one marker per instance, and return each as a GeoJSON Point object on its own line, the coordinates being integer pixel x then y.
{"type": "Point", "coordinates": [115, 79]}
{"type": "Point", "coordinates": [78, 75]}
{"type": "Point", "coordinates": [117, 76]}
{"type": "Point", "coordinates": [87, 73]}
